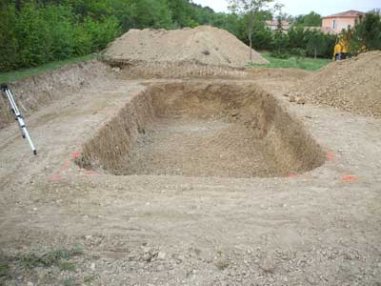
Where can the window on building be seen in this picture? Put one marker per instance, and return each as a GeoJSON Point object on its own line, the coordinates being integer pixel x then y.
{"type": "Point", "coordinates": [334, 24]}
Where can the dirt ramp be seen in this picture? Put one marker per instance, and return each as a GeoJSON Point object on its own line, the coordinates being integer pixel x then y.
{"type": "Point", "coordinates": [203, 129]}
{"type": "Point", "coordinates": [204, 44]}
{"type": "Point", "coordinates": [352, 85]}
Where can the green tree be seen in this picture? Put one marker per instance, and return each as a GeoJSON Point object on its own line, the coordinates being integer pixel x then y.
{"type": "Point", "coordinates": [34, 39]}
{"type": "Point", "coordinates": [310, 20]}
{"type": "Point", "coordinates": [251, 9]}
{"type": "Point", "coordinates": [367, 32]}
{"type": "Point", "coordinates": [315, 43]}
{"type": "Point", "coordinates": [280, 38]}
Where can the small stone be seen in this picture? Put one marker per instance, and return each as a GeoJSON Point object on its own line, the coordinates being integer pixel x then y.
{"type": "Point", "coordinates": [161, 255]}
{"type": "Point", "coordinates": [268, 264]}
{"type": "Point", "coordinates": [92, 266]}
{"type": "Point", "coordinates": [30, 283]}
{"type": "Point", "coordinates": [292, 98]}
{"type": "Point", "coordinates": [300, 100]}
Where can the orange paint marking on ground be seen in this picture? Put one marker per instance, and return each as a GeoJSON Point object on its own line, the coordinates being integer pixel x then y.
{"type": "Point", "coordinates": [330, 156]}
{"type": "Point", "coordinates": [90, 173]}
{"type": "Point", "coordinates": [55, 177]}
{"type": "Point", "coordinates": [75, 155]}
{"type": "Point", "coordinates": [349, 178]}
{"type": "Point", "coordinates": [292, 175]}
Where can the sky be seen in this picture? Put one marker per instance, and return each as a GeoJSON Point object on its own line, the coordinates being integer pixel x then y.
{"type": "Point", "coordinates": [298, 7]}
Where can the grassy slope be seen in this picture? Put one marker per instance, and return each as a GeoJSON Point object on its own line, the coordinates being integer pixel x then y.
{"type": "Point", "coordinates": [292, 62]}
{"type": "Point", "coordinates": [24, 73]}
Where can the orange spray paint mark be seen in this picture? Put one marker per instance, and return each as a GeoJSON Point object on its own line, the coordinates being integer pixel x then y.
{"type": "Point", "coordinates": [292, 175]}
{"type": "Point", "coordinates": [330, 156]}
{"type": "Point", "coordinates": [55, 178]}
{"type": "Point", "coordinates": [349, 178]}
{"type": "Point", "coordinates": [75, 155]}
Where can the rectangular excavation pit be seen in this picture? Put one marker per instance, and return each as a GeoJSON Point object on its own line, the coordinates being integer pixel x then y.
{"type": "Point", "coordinates": [202, 129]}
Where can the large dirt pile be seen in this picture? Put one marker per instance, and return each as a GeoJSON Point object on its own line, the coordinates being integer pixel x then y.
{"type": "Point", "coordinates": [204, 45]}
{"type": "Point", "coordinates": [352, 85]}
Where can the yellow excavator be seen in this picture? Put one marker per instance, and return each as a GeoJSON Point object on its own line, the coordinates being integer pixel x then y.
{"type": "Point", "coordinates": [340, 51]}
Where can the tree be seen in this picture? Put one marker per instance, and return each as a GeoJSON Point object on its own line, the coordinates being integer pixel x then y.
{"type": "Point", "coordinates": [251, 9]}
{"type": "Point", "coordinates": [310, 20]}
{"type": "Point", "coordinates": [367, 33]}
{"type": "Point", "coordinates": [315, 43]}
{"type": "Point", "coordinates": [279, 37]}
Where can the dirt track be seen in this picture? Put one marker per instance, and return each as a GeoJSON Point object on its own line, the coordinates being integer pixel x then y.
{"type": "Point", "coordinates": [322, 227]}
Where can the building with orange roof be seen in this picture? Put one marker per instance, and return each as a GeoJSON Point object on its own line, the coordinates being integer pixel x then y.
{"type": "Point", "coordinates": [337, 22]}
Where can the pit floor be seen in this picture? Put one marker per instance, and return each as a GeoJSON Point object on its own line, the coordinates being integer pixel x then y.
{"type": "Point", "coordinates": [319, 228]}
{"type": "Point", "coordinates": [200, 148]}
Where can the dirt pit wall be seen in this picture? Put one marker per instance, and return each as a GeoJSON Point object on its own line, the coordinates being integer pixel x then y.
{"type": "Point", "coordinates": [35, 92]}
{"type": "Point", "coordinates": [202, 129]}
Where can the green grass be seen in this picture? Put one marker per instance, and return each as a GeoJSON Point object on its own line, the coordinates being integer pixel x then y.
{"type": "Point", "coordinates": [69, 282]}
{"type": "Point", "coordinates": [67, 266]}
{"type": "Point", "coordinates": [4, 270]}
{"type": "Point", "coordinates": [24, 73]}
{"type": "Point", "coordinates": [57, 257]}
{"type": "Point", "coordinates": [294, 62]}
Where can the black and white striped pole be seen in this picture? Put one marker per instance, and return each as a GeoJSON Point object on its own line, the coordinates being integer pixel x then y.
{"type": "Point", "coordinates": [18, 116]}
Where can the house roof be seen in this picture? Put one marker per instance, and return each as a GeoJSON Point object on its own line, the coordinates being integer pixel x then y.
{"type": "Point", "coordinates": [346, 14]}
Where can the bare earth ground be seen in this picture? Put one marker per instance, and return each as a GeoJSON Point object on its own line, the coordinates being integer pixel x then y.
{"type": "Point", "coordinates": [319, 228]}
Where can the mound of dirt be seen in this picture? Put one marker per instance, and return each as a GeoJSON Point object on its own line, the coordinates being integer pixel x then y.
{"type": "Point", "coordinates": [204, 45]}
{"type": "Point", "coordinates": [352, 85]}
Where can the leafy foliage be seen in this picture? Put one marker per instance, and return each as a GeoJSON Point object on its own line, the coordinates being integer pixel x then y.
{"type": "Point", "coordinates": [250, 9]}
{"type": "Point", "coordinates": [310, 20]}
{"type": "Point", "coordinates": [366, 34]}
{"type": "Point", "coordinates": [36, 32]}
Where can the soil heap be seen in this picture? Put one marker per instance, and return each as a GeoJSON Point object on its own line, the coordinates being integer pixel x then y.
{"type": "Point", "coordinates": [352, 85]}
{"type": "Point", "coordinates": [204, 45]}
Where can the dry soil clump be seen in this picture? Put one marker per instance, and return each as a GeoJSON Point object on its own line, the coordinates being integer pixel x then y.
{"type": "Point", "coordinates": [352, 85]}
{"type": "Point", "coordinates": [203, 45]}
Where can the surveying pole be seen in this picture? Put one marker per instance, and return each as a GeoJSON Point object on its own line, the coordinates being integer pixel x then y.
{"type": "Point", "coordinates": [18, 116]}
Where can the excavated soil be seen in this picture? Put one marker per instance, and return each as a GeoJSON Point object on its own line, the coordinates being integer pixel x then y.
{"type": "Point", "coordinates": [36, 92]}
{"type": "Point", "coordinates": [198, 129]}
{"type": "Point", "coordinates": [65, 225]}
{"type": "Point", "coordinates": [352, 85]}
{"type": "Point", "coordinates": [202, 45]}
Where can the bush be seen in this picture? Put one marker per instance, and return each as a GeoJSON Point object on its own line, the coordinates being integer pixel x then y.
{"type": "Point", "coordinates": [366, 34]}
{"type": "Point", "coordinates": [38, 34]}
{"type": "Point", "coordinates": [8, 39]}
{"type": "Point", "coordinates": [280, 54]}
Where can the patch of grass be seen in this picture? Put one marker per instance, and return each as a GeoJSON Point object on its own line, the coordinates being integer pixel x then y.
{"type": "Point", "coordinates": [24, 73]}
{"type": "Point", "coordinates": [222, 264]}
{"type": "Point", "coordinates": [294, 62]}
{"type": "Point", "coordinates": [67, 266]}
{"type": "Point", "coordinates": [89, 279]}
{"type": "Point", "coordinates": [51, 258]}
{"type": "Point", "coordinates": [69, 282]}
{"type": "Point", "coordinates": [4, 271]}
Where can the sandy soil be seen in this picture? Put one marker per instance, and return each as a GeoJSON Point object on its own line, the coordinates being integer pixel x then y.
{"type": "Point", "coordinates": [351, 85]}
{"type": "Point", "coordinates": [203, 44]}
{"type": "Point", "coordinates": [321, 227]}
